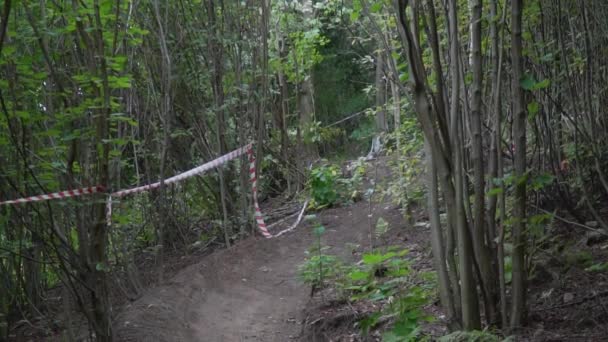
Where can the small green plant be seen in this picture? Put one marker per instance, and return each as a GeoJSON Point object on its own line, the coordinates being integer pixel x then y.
{"type": "Point", "coordinates": [319, 268]}
{"type": "Point", "coordinates": [579, 258]}
{"type": "Point", "coordinates": [323, 181]}
{"type": "Point", "coordinates": [351, 186]}
{"type": "Point", "coordinates": [388, 277]}
{"type": "Point", "coordinates": [381, 227]}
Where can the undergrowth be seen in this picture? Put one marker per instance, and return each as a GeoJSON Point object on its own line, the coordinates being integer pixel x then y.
{"type": "Point", "coordinates": [384, 278]}
{"type": "Point", "coordinates": [329, 186]}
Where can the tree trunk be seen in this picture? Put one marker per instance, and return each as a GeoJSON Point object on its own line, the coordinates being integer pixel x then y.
{"type": "Point", "coordinates": [518, 286]}
{"type": "Point", "coordinates": [381, 122]}
{"type": "Point", "coordinates": [470, 306]}
{"type": "Point", "coordinates": [218, 94]}
{"type": "Point", "coordinates": [284, 98]}
{"type": "Point", "coordinates": [482, 253]}
{"type": "Point", "coordinates": [306, 98]}
{"type": "Point", "coordinates": [437, 242]}
{"type": "Point", "coordinates": [99, 235]}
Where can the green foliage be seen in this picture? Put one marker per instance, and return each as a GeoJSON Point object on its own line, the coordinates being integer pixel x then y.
{"type": "Point", "coordinates": [575, 257]}
{"type": "Point", "coordinates": [598, 267]}
{"type": "Point", "coordinates": [388, 277]}
{"type": "Point", "coordinates": [311, 132]}
{"type": "Point", "coordinates": [329, 188]}
{"type": "Point", "coordinates": [537, 224]}
{"type": "Point", "coordinates": [471, 336]}
{"type": "Point", "coordinates": [323, 182]}
{"type": "Point", "coordinates": [378, 276]}
{"type": "Point", "coordinates": [406, 186]}
{"type": "Point", "coordinates": [319, 268]}
{"type": "Point", "coordinates": [381, 227]}
{"type": "Point", "coordinates": [529, 83]}
{"type": "Point", "coordinates": [365, 131]}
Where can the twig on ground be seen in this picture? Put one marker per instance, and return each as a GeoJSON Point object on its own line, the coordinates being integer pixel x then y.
{"type": "Point", "coordinates": [297, 221]}
{"type": "Point", "coordinates": [599, 231]}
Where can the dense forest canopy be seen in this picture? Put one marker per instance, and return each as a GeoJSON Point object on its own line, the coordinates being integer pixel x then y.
{"type": "Point", "coordinates": [504, 101]}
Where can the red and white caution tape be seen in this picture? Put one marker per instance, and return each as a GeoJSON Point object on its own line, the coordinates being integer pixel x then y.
{"type": "Point", "coordinates": [259, 218]}
{"type": "Point", "coordinates": [199, 170]}
{"type": "Point", "coordinates": [196, 171]}
{"type": "Point", "coordinates": [57, 195]}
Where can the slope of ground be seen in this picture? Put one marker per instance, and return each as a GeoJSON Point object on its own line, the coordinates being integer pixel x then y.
{"type": "Point", "coordinates": [249, 292]}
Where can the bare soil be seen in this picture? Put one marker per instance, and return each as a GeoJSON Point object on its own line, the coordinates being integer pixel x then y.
{"type": "Point", "coordinates": [249, 292]}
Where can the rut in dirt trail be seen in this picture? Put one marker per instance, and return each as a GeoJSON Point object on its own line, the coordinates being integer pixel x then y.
{"type": "Point", "coordinates": [249, 292]}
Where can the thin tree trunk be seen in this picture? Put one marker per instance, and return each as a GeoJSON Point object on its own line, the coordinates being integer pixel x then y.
{"type": "Point", "coordinates": [482, 254]}
{"type": "Point", "coordinates": [165, 115]}
{"type": "Point", "coordinates": [99, 262]}
{"type": "Point", "coordinates": [496, 170]}
{"type": "Point", "coordinates": [470, 306]}
{"type": "Point", "coordinates": [218, 94]}
{"type": "Point", "coordinates": [306, 96]}
{"type": "Point", "coordinates": [437, 242]}
{"type": "Point", "coordinates": [284, 98]}
{"type": "Point", "coordinates": [381, 122]}
{"type": "Point", "coordinates": [518, 288]}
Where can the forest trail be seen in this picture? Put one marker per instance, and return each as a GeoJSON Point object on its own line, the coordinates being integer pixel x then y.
{"type": "Point", "coordinates": [249, 292]}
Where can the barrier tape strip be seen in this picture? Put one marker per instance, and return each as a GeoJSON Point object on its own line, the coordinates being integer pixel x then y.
{"type": "Point", "coordinates": [196, 171]}
{"type": "Point", "coordinates": [259, 218]}
{"type": "Point", "coordinates": [57, 195]}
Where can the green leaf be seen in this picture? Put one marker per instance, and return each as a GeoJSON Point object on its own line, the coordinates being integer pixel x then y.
{"type": "Point", "coordinates": [376, 7]}
{"type": "Point", "coordinates": [542, 84]}
{"type": "Point", "coordinates": [310, 217]}
{"type": "Point", "coordinates": [601, 267]}
{"type": "Point", "coordinates": [358, 275]}
{"type": "Point", "coordinates": [122, 82]}
{"type": "Point", "coordinates": [527, 82]}
{"type": "Point", "coordinates": [372, 259]}
{"type": "Point", "coordinates": [533, 108]}
{"type": "Point", "coordinates": [369, 322]}
{"type": "Point", "coordinates": [101, 267]}
{"type": "Point", "coordinates": [495, 191]}
{"type": "Point", "coordinates": [542, 180]}
{"type": "Point", "coordinates": [381, 227]}
{"type": "Point", "coordinates": [468, 78]}
{"type": "Point", "coordinates": [548, 57]}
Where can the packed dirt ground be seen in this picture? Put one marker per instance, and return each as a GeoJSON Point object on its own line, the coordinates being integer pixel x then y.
{"type": "Point", "coordinates": [251, 291]}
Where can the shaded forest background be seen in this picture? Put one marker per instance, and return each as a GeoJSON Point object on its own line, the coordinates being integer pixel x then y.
{"type": "Point", "coordinates": [509, 98]}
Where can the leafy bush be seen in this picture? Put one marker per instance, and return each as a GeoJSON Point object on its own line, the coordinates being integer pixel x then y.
{"type": "Point", "coordinates": [323, 186]}
{"type": "Point", "coordinates": [388, 277]}
{"type": "Point", "coordinates": [383, 277]}
{"type": "Point", "coordinates": [406, 188]}
{"type": "Point", "coordinates": [329, 188]}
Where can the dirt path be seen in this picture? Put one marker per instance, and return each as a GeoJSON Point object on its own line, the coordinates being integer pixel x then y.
{"type": "Point", "coordinates": [247, 293]}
